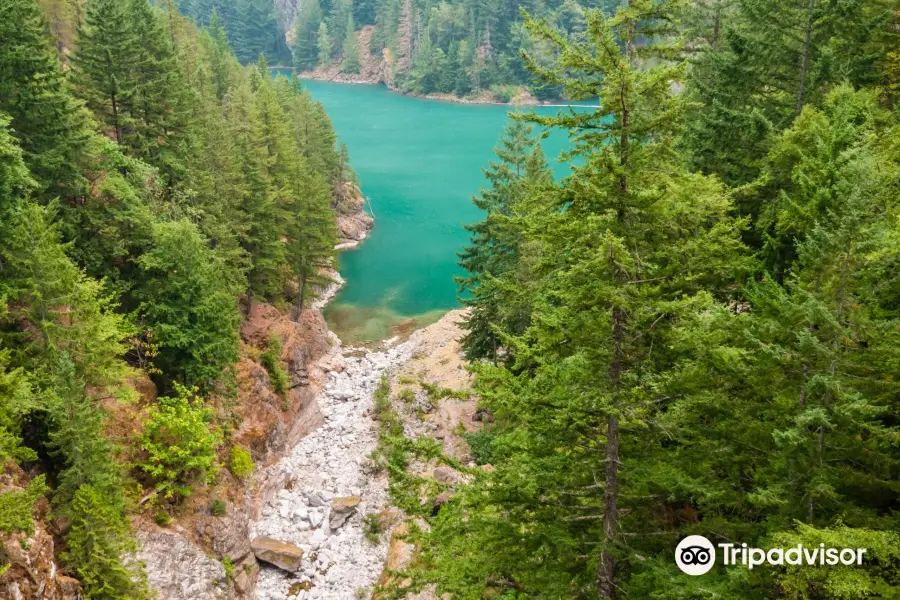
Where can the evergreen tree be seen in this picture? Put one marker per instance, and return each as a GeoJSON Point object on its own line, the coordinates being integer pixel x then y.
{"type": "Point", "coordinates": [325, 49]}
{"type": "Point", "coordinates": [495, 240]}
{"type": "Point", "coordinates": [98, 537]}
{"type": "Point", "coordinates": [627, 249]}
{"type": "Point", "coordinates": [350, 62]}
{"type": "Point", "coordinates": [45, 119]}
{"type": "Point", "coordinates": [188, 306]}
{"type": "Point", "coordinates": [306, 32]}
{"type": "Point", "coordinates": [773, 58]}
{"type": "Point", "coordinates": [104, 65]}
{"type": "Point", "coordinates": [312, 235]}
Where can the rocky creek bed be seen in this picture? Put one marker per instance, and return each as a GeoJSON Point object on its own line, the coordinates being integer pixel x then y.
{"type": "Point", "coordinates": [331, 487]}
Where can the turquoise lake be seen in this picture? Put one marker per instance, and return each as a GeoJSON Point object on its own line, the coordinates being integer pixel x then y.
{"type": "Point", "coordinates": [418, 162]}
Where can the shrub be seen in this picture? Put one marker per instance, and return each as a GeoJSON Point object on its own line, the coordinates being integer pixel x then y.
{"type": "Point", "coordinates": [372, 527]}
{"type": "Point", "coordinates": [16, 506]}
{"type": "Point", "coordinates": [481, 443]}
{"type": "Point", "coordinates": [180, 443]}
{"type": "Point", "coordinates": [218, 508]}
{"type": "Point", "coordinates": [162, 517]}
{"type": "Point", "coordinates": [271, 360]}
{"type": "Point", "coordinates": [229, 568]}
{"type": "Point", "coordinates": [241, 462]}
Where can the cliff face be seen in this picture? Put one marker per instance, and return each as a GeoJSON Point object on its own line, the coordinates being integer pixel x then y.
{"type": "Point", "coordinates": [201, 555]}
{"type": "Point", "coordinates": [186, 560]}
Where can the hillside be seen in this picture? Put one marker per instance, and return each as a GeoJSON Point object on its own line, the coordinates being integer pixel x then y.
{"type": "Point", "coordinates": [169, 220]}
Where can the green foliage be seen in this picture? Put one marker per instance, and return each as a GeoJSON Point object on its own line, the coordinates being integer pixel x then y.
{"type": "Point", "coordinates": [495, 248]}
{"type": "Point", "coordinates": [218, 508]}
{"type": "Point", "coordinates": [187, 304]}
{"type": "Point", "coordinates": [481, 443]}
{"type": "Point", "coordinates": [372, 527]}
{"type": "Point", "coordinates": [306, 35]}
{"type": "Point", "coordinates": [180, 443]}
{"type": "Point", "coordinates": [98, 538]}
{"type": "Point", "coordinates": [438, 393]}
{"type": "Point", "coordinates": [241, 463]}
{"type": "Point", "coordinates": [271, 360]}
{"type": "Point", "coordinates": [44, 117]}
{"type": "Point", "coordinates": [350, 62]}
{"type": "Point", "coordinates": [162, 517]}
{"type": "Point", "coordinates": [16, 506]}
{"type": "Point", "coordinates": [229, 568]}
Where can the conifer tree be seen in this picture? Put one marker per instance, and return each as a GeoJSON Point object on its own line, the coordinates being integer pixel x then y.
{"type": "Point", "coordinates": [49, 126]}
{"type": "Point", "coordinates": [312, 235]}
{"type": "Point", "coordinates": [306, 31]}
{"type": "Point", "coordinates": [325, 48]}
{"type": "Point", "coordinates": [350, 62]}
{"type": "Point", "coordinates": [98, 538]}
{"type": "Point", "coordinates": [260, 235]}
{"type": "Point", "coordinates": [187, 303]}
{"type": "Point", "coordinates": [630, 246]}
{"type": "Point", "coordinates": [157, 105]}
{"type": "Point", "coordinates": [104, 65]}
{"type": "Point", "coordinates": [496, 240]}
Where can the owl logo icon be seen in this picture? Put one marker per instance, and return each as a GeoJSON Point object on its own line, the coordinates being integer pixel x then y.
{"type": "Point", "coordinates": [695, 555]}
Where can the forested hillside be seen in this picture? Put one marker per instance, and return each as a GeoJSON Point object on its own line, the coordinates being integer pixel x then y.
{"type": "Point", "coordinates": [697, 331]}
{"type": "Point", "coordinates": [151, 190]}
{"type": "Point", "coordinates": [462, 47]}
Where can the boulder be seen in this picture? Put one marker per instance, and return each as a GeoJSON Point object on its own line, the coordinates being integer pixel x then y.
{"type": "Point", "coordinates": [345, 504]}
{"type": "Point", "coordinates": [281, 554]}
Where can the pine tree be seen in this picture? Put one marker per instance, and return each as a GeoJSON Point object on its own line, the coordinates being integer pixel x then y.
{"type": "Point", "coordinates": [312, 235]}
{"type": "Point", "coordinates": [188, 305]}
{"type": "Point", "coordinates": [306, 30]}
{"type": "Point", "coordinates": [158, 103]}
{"type": "Point", "coordinates": [772, 59]}
{"type": "Point", "coordinates": [630, 246]}
{"type": "Point", "coordinates": [496, 240]}
{"type": "Point", "coordinates": [325, 49]}
{"type": "Point", "coordinates": [104, 65]}
{"type": "Point", "coordinates": [99, 536]}
{"type": "Point", "coordinates": [45, 119]}
{"type": "Point", "coordinates": [350, 62]}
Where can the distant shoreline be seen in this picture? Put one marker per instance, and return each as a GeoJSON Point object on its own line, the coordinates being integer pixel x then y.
{"type": "Point", "coordinates": [353, 79]}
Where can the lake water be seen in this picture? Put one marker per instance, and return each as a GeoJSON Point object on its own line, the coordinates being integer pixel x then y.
{"type": "Point", "coordinates": [419, 162]}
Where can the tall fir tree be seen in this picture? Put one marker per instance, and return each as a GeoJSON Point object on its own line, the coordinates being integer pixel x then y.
{"type": "Point", "coordinates": [104, 65]}
{"type": "Point", "coordinates": [495, 241]}
{"type": "Point", "coordinates": [49, 125]}
{"type": "Point", "coordinates": [350, 62]}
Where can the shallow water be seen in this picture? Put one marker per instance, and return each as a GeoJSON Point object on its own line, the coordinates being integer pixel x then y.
{"type": "Point", "coordinates": [419, 162]}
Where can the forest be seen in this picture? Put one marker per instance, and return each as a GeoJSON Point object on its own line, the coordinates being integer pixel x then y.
{"type": "Point", "coordinates": [151, 189]}
{"type": "Point", "coordinates": [696, 331]}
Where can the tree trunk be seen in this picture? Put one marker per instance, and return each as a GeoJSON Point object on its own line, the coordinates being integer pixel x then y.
{"type": "Point", "coordinates": [606, 572]}
{"type": "Point", "coordinates": [301, 297]}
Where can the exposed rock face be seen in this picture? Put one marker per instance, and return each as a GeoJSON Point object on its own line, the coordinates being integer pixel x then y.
{"type": "Point", "coordinates": [32, 569]}
{"type": "Point", "coordinates": [176, 568]}
{"type": "Point", "coordinates": [281, 554]}
{"type": "Point", "coordinates": [353, 222]}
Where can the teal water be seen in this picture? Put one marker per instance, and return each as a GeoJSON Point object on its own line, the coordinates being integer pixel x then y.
{"type": "Point", "coordinates": [419, 162]}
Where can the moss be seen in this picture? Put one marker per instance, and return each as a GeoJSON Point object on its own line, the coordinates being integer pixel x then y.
{"type": "Point", "coordinates": [218, 507]}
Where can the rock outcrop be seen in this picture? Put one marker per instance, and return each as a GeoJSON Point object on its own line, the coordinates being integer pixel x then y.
{"type": "Point", "coordinates": [281, 554]}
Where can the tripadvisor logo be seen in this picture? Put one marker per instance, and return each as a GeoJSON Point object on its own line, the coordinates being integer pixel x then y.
{"type": "Point", "coordinates": [696, 555]}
